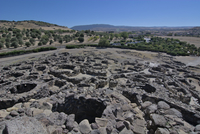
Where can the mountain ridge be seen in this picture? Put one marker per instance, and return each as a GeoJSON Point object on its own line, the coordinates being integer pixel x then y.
{"type": "Point", "coordinates": [108, 27]}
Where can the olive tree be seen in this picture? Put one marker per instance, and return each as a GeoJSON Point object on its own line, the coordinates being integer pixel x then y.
{"type": "Point", "coordinates": [103, 42]}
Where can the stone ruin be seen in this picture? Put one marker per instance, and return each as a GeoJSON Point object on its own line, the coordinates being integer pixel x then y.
{"type": "Point", "coordinates": [96, 94]}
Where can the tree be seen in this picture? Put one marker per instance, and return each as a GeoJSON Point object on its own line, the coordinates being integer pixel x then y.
{"type": "Point", "coordinates": [3, 35]}
{"type": "Point", "coordinates": [7, 44]}
{"type": "Point", "coordinates": [103, 42]}
{"type": "Point", "coordinates": [18, 35]}
{"type": "Point", "coordinates": [28, 44]}
{"type": "Point", "coordinates": [55, 38]}
{"type": "Point", "coordinates": [27, 33]}
{"type": "Point", "coordinates": [24, 38]}
{"type": "Point", "coordinates": [2, 40]}
{"type": "Point", "coordinates": [124, 35]}
{"type": "Point", "coordinates": [21, 42]}
{"type": "Point", "coordinates": [32, 41]}
{"type": "Point", "coordinates": [60, 40]}
{"type": "Point", "coordinates": [77, 34]}
{"type": "Point", "coordinates": [81, 35]}
{"type": "Point", "coordinates": [7, 40]}
{"type": "Point", "coordinates": [51, 41]}
{"type": "Point", "coordinates": [39, 44]}
{"type": "Point", "coordinates": [43, 41]}
{"type": "Point", "coordinates": [14, 44]}
{"type": "Point", "coordinates": [14, 39]}
{"type": "Point", "coordinates": [39, 37]}
{"type": "Point", "coordinates": [9, 29]}
{"type": "Point", "coordinates": [81, 39]}
{"type": "Point", "coordinates": [111, 36]}
{"type": "Point", "coordinates": [1, 45]}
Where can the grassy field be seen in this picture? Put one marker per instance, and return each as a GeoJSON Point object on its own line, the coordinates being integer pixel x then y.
{"type": "Point", "coordinates": [191, 40]}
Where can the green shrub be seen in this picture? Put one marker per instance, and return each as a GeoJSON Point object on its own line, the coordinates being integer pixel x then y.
{"type": "Point", "coordinates": [74, 46]}
{"type": "Point", "coordinates": [39, 44]}
{"type": "Point", "coordinates": [103, 42]}
{"type": "Point", "coordinates": [14, 44]}
{"type": "Point", "coordinates": [18, 52]}
{"type": "Point", "coordinates": [51, 41]}
{"type": "Point", "coordinates": [28, 44]}
{"type": "Point", "coordinates": [32, 41]}
{"type": "Point", "coordinates": [60, 40]}
{"type": "Point", "coordinates": [7, 44]}
{"type": "Point", "coordinates": [1, 45]}
{"type": "Point", "coordinates": [81, 39]}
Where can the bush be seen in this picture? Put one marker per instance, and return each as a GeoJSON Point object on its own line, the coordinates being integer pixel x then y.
{"type": "Point", "coordinates": [24, 38]}
{"type": "Point", "coordinates": [18, 52]}
{"type": "Point", "coordinates": [39, 44]}
{"type": "Point", "coordinates": [28, 44]}
{"type": "Point", "coordinates": [74, 46]}
{"type": "Point", "coordinates": [14, 40]}
{"type": "Point", "coordinates": [3, 35]}
{"type": "Point", "coordinates": [51, 41]}
{"type": "Point", "coordinates": [7, 44]}
{"type": "Point", "coordinates": [7, 40]}
{"type": "Point", "coordinates": [81, 39]}
{"type": "Point", "coordinates": [81, 35]}
{"type": "Point", "coordinates": [60, 41]}
{"type": "Point", "coordinates": [103, 42]}
{"type": "Point", "coordinates": [21, 42]}
{"type": "Point", "coordinates": [1, 45]}
{"type": "Point", "coordinates": [14, 44]}
{"type": "Point", "coordinates": [32, 41]}
{"type": "Point", "coordinates": [80, 46]}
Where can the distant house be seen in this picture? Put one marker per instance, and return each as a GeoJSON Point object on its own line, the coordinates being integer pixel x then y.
{"type": "Point", "coordinates": [133, 42]}
{"type": "Point", "coordinates": [116, 44]}
{"type": "Point", "coordinates": [147, 40]}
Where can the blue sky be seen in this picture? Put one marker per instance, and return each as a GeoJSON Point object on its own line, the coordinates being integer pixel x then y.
{"type": "Point", "coordinates": [115, 12]}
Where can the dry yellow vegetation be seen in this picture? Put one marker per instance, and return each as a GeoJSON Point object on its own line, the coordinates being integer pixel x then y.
{"type": "Point", "coordinates": [30, 25]}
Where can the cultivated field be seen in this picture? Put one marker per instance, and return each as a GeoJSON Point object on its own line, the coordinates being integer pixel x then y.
{"type": "Point", "coordinates": [191, 40]}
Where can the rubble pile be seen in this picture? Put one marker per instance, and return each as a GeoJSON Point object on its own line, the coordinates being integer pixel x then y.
{"type": "Point", "coordinates": [94, 93]}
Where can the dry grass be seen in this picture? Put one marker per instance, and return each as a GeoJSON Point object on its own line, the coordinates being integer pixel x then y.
{"type": "Point", "coordinates": [28, 25]}
{"type": "Point", "coordinates": [191, 40]}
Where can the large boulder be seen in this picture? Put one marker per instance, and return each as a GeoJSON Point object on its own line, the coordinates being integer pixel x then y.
{"type": "Point", "coordinates": [158, 120]}
{"type": "Point", "coordinates": [162, 131]}
{"type": "Point", "coordinates": [163, 105]}
{"type": "Point", "coordinates": [22, 125]}
{"type": "Point", "coordinates": [173, 111]}
{"type": "Point", "coordinates": [151, 109]}
{"type": "Point", "coordinates": [101, 122]}
{"type": "Point", "coordinates": [84, 127]}
{"type": "Point", "coordinates": [70, 121]}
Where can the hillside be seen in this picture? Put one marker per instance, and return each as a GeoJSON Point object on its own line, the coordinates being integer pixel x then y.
{"type": "Point", "coordinates": [106, 27]}
{"type": "Point", "coordinates": [31, 24]}
{"type": "Point", "coordinates": [194, 31]}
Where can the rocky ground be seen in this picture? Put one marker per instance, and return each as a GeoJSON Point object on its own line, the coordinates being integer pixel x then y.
{"type": "Point", "coordinates": [100, 91]}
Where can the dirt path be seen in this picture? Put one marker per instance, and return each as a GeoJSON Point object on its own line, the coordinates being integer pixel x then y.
{"type": "Point", "coordinates": [15, 59]}
{"type": "Point", "coordinates": [134, 54]}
